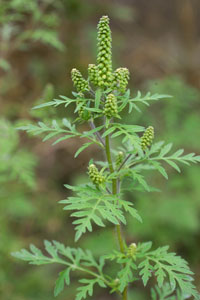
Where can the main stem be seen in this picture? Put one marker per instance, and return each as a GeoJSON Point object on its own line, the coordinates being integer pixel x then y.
{"type": "Point", "coordinates": [114, 191]}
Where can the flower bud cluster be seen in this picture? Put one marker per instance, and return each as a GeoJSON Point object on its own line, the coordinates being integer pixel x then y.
{"type": "Point", "coordinates": [119, 158]}
{"type": "Point", "coordinates": [110, 108]}
{"type": "Point", "coordinates": [83, 113]}
{"type": "Point", "coordinates": [121, 77]}
{"type": "Point", "coordinates": [94, 174]}
{"type": "Point", "coordinates": [93, 73]}
{"type": "Point", "coordinates": [147, 138]}
{"type": "Point", "coordinates": [132, 250]}
{"type": "Point", "coordinates": [104, 56]}
{"type": "Point", "coordinates": [79, 82]}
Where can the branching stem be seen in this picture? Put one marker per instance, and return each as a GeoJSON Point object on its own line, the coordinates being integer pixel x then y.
{"type": "Point", "coordinates": [114, 191]}
{"type": "Point", "coordinates": [92, 125]}
{"type": "Point", "coordinates": [123, 163]}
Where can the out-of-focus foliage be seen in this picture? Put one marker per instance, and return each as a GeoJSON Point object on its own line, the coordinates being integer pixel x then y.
{"type": "Point", "coordinates": [178, 119]}
{"type": "Point", "coordinates": [40, 20]}
{"type": "Point", "coordinates": [17, 181]}
{"type": "Point", "coordinates": [15, 164]}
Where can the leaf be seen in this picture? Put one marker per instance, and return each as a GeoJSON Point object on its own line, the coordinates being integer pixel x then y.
{"type": "Point", "coordinates": [63, 138]}
{"type": "Point", "coordinates": [108, 131]}
{"type": "Point", "coordinates": [128, 208]}
{"type": "Point", "coordinates": [126, 274]}
{"type": "Point", "coordinates": [171, 159]}
{"type": "Point", "coordinates": [166, 292]}
{"type": "Point", "coordinates": [98, 98]}
{"type": "Point", "coordinates": [85, 146]}
{"type": "Point", "coordinates": [166, 266]}
{"type": "Point", "coordinates": [165, 149]}
{"type": "Point", "coordinates": [85, 290]}
{"type": "Point", "coordinates": [145, 272]}
{"type": "Point", "coordinates": [93, 206]}
{"type": "Point", "coordinates": [173, 165]}
{"type": "Point", "coordinates": [148, 97]}
{"type": "Point", "coordinates": [94, 130]}
{"type": "Point", "coordinates": [55, 102]}
{"type": "Point", "coordinates": [50, 248]}
{"type": "Point", "coordinates": [63, 277]}
{"type": "Point", "coordinates": [158, 166]}
{"type": "Point", "coordinates": [142, 248]}
{"type": "Point", "coordinates": [73, 259]}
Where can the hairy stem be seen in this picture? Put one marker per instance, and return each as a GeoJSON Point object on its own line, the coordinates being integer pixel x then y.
{"type": "Point", "coordinates": [114, 191]}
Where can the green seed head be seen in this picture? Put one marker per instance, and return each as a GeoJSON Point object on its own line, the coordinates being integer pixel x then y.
{"type": "Point", "coordinates": [110, 108]}
{"type": "Point", "coordinates": [104, 56]}
{"type": "Point", "coordinates": [94, 174]}
{"type": "Point", "coordinates": [79, 82]}
{"type": "Point", "coordinates": [147, 138]}
{"type": "Point", "coordinates": [132, 250]}
{"type": "Point", "coordinates": [121, 77]}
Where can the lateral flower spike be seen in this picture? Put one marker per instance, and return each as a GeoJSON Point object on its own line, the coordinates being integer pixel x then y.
{"type": "Point", "coordinates": [104, 56]}
{"type": "Point", "coordinates": [79, 82]}
{"type": "Point", "coordinates": [93, 73]}
{"type": "Point", "coordinates": [132, 250]}
{"type": "Point", "coordinates": [147, 138]}
{"type": "Point", "coordinates": [94, 174]}
{"type": "Point", "coordinates": [110, 108]}
{"type": "Point", "coordinates": [119, 158]}
{"type": "Point", "coordinates": [82, 112]}
{"type": "Point", "coordinates": [121, 78]}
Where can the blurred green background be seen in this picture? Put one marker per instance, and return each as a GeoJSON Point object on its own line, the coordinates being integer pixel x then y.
{"type": "Point", "coordinates": [40, 42]}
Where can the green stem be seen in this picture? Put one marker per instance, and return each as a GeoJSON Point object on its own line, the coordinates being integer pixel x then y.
{"type": "Point", "coordinates": [114, 191]}
{"type": "Point", "coordinates": [75, 267]}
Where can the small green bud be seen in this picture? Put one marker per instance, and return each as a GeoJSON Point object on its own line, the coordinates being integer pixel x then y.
{"type": "Point", "coordinates": [147, 138]}
{"type": "Point", "coordinates": [119, 158]}
{"type": "Point", "coordinates": [110, 108]}
{"type": "Point", "coordinates": [121, 77]}
{"type": "Point", "coordinates": [93, 73]}
{"type": "Point", "coordinates": [104, 56]}
{"type": "Point", "coordinates": [116, 282]}
{"type": "Point", "coordinates": [94, 174]}
{"type": "Point", "coordinates": [83, 113]}
{"type": "Point", "coordinates": [79, 82]}
{"type": "Point", "coordinates": [132, 250]}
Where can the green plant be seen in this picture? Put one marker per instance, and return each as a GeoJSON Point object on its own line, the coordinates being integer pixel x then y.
{"type": "Point", "coordinates": [17, 184]}
{"type": "Point", "coordinates": [99, 101]}
{"type": "Point", "coordinates": [25, 22]}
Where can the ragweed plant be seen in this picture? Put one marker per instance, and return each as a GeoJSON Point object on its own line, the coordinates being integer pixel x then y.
{"type": "Point", "coordinates": [99, 100]}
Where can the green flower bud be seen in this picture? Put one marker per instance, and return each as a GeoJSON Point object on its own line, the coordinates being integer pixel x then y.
{"type": "Point", "coordinates": [116, 282]}
{"type": "Point", "coordinates": [132, 250]}
{"type": "Point", "coordinates": [119, 158]}
{"type": "Point", "coordinates": [110, 108]}
{"type": "Point", "coordinates": [147, 138]}
{"type": "Point", "coordinates": [94, 174]}
{"type": "Point", "coordinates": [83, 113]}
{"type": "Point", "coordinates": [79, 82]}
{"type": "Point", "coordinates": [104, 56]}
{"type": "Point", "coordinates": [93, 73]}
{"type": "Point", "coordinates": [121, 77]}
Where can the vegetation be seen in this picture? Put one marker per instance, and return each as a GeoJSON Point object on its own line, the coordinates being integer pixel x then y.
{"type": "Point", "coordinates": [130, 150]}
